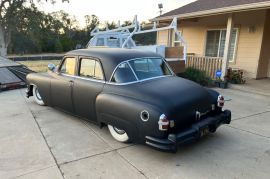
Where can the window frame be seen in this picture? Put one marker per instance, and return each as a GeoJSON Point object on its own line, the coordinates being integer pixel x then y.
{"type": "Point", "coordinates": [97, 61]}
{"type": "Point", "coordinates": [235, 43]}
{"type": "Point", "coordinates": [138, 80]}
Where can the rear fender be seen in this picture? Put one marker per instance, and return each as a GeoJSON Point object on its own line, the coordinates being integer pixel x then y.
{"type": "Point", "coordinates": [125, 113]}
{"type": "Point", "coordinates": [214, 95]}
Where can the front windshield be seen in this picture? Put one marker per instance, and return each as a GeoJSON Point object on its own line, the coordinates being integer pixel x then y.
{"type": "Point", "coordinates": [145, 68]}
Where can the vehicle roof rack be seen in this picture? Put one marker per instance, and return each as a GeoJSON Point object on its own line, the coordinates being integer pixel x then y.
{"type": "Point", "coordinates": [135, 28]}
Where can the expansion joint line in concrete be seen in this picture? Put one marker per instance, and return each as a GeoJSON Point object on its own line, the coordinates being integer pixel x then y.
{"type": "Point", "coordinates": [132, 165]}
{"type": "Point", "coordinates": [256, 114]}
{"type": "Point", "coordinates": [85, 123]}
{"type": "Point", "coordinates": [253, 133]}
{"type": "Point", "coordinates": [35, 171]}
{"type": "Point", "coordinates": [90, 156]}
{"type": "Point", "coordinates": [33, 115]}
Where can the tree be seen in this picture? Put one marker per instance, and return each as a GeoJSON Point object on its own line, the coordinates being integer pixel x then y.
{"type": "Point", "coordinates": [26, 34]}
{"type": "Point", "coordinates": [69, 23]}
{"type": "Point", "coordinates": [111, 25]}
{"type": "Point", "coordinates": [91, 22]}
{"type": "Point", "coordinates": [9, 16]}
{"type": "Point", "coordinates": [126, 23]}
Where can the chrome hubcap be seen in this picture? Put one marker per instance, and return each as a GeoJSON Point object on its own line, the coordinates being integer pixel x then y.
{"type": "Point", "coordinates": [119, 131]}
{"type": "Point", "coordinates": [37, 94]}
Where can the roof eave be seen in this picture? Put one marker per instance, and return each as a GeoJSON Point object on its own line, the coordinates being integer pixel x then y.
{"type": "Point", "coordinates": [224, 10]}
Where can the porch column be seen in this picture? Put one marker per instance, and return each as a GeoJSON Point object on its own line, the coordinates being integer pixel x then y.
{"type": "Point", "coordinates": [225, 62]}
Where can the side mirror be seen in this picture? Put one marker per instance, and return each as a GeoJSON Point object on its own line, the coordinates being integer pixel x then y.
{"type": "Point", "coordinates": [51, 67]}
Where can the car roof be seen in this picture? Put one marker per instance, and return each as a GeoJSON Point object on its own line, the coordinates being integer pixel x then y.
{"type": "Point", "coordinates": [111, 57]}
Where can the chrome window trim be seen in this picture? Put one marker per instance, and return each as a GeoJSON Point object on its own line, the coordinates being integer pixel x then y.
{"type": "Point", "coordinates": [173, 74]}
{"type": "Point", "coordinates": [139, 81]}
{"type": "Point", "coordinates": [89, 79]}
{"type": "Point", "coordinates": [127, 61]}
{"type": "Point", "coordinates": [133, 71]}
{"type": "Point", "coordinates": [83, 78]}
{"type": "Point", "coordinates": [117, 84]}
{"type": "Point", "coordinates": [110, 80]}
{"type": "Point", "coordinates": [63, 74]}
{"type": "Point", "coordinates": [128, 83]}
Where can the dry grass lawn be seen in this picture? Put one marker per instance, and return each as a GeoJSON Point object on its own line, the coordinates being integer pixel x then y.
{"type": "Point", "coordinates": [39, 66]}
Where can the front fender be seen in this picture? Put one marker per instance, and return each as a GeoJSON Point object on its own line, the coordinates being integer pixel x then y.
{"type": "Point", "coordinates": [125, 112]}
{"type": "Point", "coordinates": [43, 82]}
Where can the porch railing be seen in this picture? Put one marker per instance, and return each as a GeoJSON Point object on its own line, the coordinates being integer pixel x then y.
{"type": "Point", "coordinates": [208, 64]}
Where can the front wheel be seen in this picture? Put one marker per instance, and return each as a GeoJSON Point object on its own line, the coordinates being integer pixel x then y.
{"type": "Point", "coordinates": [37, 96]}
{"type": "Point", "coordinates": [119, 134]}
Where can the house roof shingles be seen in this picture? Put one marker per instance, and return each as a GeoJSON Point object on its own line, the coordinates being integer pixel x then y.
{"type": "Point", "coordinates": [204, 5]}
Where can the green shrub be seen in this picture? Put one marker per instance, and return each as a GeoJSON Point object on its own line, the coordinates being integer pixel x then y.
{"type": "Point", "coordinates": [197, 76]}
{"type": "Point", "coordinates": [235, 76]}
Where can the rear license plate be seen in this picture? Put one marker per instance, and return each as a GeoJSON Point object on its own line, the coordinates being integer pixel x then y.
{"type": "Point", "coordinates": [204, 131]}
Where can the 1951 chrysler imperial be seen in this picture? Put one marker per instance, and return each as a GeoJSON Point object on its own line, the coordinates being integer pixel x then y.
{"type": "Point", "coordinates": [134, 93]}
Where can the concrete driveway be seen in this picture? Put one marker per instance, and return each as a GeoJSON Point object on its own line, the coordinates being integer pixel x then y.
{"type": "Point", "coordinates": [41, 142]}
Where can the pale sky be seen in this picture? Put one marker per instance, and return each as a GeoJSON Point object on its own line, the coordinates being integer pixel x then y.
{"type": "Point", "coordinates": [114, 10]}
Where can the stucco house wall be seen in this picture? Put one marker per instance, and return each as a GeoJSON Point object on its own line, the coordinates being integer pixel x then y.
{"type": "Point", "coordinates": [250, 25]}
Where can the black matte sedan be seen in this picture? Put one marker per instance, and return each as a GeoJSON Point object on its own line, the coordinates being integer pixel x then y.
{"type": "Point", "coordinates": [134, 93]}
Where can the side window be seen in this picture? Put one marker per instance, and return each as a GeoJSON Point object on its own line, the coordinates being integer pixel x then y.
{"type": "Point", "coordinates": [100, 42]}
{"type": "Point", "coordinates": [68, 66]}
{"type": "Point", "coordinates": [98, 71]}
{"type": "Point", "coordinates": [123, 74]}
{"type": "Point", "coordinates": [113, 42]}
{"type": "Point", "coordinates": [90, 68]}
{"type": "Point", "coordinates": [87, 68]}
{"type": "Point", "coordinates": [149, 68]}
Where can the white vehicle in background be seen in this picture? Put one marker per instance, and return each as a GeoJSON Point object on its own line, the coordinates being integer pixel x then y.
{"type": "Point", "coordinates": [121, 37]}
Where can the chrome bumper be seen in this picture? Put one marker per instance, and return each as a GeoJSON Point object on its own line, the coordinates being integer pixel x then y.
{"type": "Point", "coordinates": [196, 131]}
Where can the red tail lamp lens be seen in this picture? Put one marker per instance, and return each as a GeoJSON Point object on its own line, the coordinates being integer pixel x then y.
{"type": "Point", "coordinates": [220, 101]}
{"type": "Point", "coordinates": [163, 123]}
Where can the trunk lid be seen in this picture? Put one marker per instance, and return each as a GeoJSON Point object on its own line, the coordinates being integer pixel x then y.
{"type": "Point", "coordinates": [178, 98]}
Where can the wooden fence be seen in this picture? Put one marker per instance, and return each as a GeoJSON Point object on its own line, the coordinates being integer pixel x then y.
{"type": "Point", "coordinates": [208, 64]}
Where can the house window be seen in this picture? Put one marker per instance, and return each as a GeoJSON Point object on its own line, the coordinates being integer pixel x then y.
{"type": "Point", "coordinates": [215, 43]}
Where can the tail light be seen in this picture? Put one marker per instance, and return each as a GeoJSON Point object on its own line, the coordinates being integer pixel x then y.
{"type": "Point", "coordinates": [220, 101]}
{"type": "Point", "coordinates": [163, 123]}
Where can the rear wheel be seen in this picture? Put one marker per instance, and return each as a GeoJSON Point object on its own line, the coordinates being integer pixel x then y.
{"type": "Point", "coordinates": [119, 134]}
{"type": "Point", "coordinates": [37, 96]}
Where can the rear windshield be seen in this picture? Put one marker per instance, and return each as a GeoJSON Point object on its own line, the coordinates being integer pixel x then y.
{"type": "Point", "coordinates": [141, 69]}
{"type": "Point", "coordinates": [123, 74]}
{"type": "Point", "coordinates": [149, 67]}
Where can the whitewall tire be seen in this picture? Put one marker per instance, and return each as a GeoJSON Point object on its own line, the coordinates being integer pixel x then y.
{"type": "Point", "coordinates": [37, 96]}
{"type": "Point", "coordinates": [118, 134]}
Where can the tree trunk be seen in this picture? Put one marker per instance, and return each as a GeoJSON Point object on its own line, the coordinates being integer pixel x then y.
{"type": "Point", "coordinates": [3, 52]}
{"type": "Point", "coordinates": [3, 44]}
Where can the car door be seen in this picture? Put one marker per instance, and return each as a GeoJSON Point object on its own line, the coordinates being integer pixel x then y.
{"type": "Point", "coordinates": [61, 84]}
{"type": "Point", "coordinates": [87, 85]}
